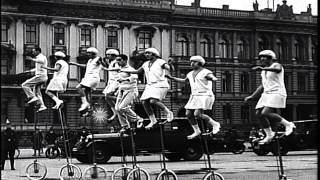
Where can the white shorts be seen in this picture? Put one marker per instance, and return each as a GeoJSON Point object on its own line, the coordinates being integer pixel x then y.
{"type": "Point", "coordinates": [91, 82]}
{"type": "Point", "coordinates": [57, 84]}
{"type": "Point", "coordinates": [111, 87]}
{"type": "Point", "coordinates": [154, 92]}
{"type": "Point", "coordinates": [200, 102]}
{"type": "Point", "coordinates": [272, 101]}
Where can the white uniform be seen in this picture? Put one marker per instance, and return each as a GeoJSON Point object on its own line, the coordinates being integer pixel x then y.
{"type": "Point", "coordinates": [113, 77]}
{"type": "Point", "coordinates": [202, 96]}
{"type": "Point", "coordinates": [157, 85]}
{"type": "Point", "coordinates": [92, 76]}
{"type": "Point", "coordinates": [274, 92]}
{"type": "Point", "coordinates": [59, 81]}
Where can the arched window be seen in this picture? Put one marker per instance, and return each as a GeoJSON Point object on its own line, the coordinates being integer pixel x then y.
{"type": "Point", "coordinates": [85, 36]}
{"type": "Point", "coordinates": [59, 34]}
{"type": "Point", "coordinates": [314, 53]}
{"type": "Point", "coordinates": [144, 40]}
{"type": "Point", "coordinates": [183, 43]}
{"type": "Point", "coordinates": [282, 50]}
{"type": "Point", "coordinates": [263, 43]}
{"type": "Point", "coordinates": [224, 49]}
{"type": "Point", "coordinates": [299, 51]}
{"type": "Point", "coordinates": [242, 49]}
{"type": "Point", "coordinates": [205, 47]}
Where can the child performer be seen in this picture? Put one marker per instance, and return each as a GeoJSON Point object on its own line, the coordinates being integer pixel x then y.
{"type": "Point", "coordinates": [201, 98]}
{"type": "Point", "coordinates": [59, 81]}
{"type": "Point", "coordinates": [91, 78]}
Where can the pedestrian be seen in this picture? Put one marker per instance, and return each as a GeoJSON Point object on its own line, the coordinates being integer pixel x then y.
{"type": "Point", "coordinates": [273, 95]}
{"type": "Point", "coordinates": [8, 145]}
{"type": "Point", "coordinates": [59, 81]}
{"type": "Point", "coordinates": [36, 81]}
{"type": "Point", "coordinates": [201, 98]}
{"type": "Point", "coordinates": [157, 84]}
{"type": "Point", "coordinates": [91, 78]}
{"type": "Point", "coordinates": [113, 84]}
{"type": "Point", "coordinates": [51, 137]}
{"type": "Point", "coordinates": [37, 141]}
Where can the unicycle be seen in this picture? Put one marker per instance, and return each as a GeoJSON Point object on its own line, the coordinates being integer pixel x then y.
{"type": "Point", "coordinates": [36, 170]}
{"type": "Point", "coordinates": [278, 136]}
{"type": "Point", "coordinates": [94, 172]}
{"type": "Point", "coordinates": [165, 174]}
{"type": "Point", "coordinates": [69, 170]}
{"type": "Point", "coordinates": [210, 175]}
{"type": "Point", "coordinates": [137, 173]}
{"type": "Point", "coordinates": [122, 172]}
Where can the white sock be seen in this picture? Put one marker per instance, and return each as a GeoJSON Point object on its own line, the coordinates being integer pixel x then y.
{"type": "Point", "coordinates": [84, 99]}
{"type": "Point", "coordinates": [55, 99]}
{"type": "Point", "coordinates": [196, 129]}
{"type": "Point", "coordinates": [285, 122]}
{"type": "Point", "coordinates": [268, 131]}
{"type": "Point", "coordinates": [153, 118]}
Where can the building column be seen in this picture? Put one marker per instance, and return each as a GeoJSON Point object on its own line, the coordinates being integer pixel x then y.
{"type": "Point", "coordinates": [19, 46]}
{"type": "Point", "coordinates": [293, 55]}
{"type": "Point", "coordinates": [100, 40]}
{"type": "Point", "coordinates": [125, 40]}
{"type": "Point", "coordinates": [294, 112]}
{"type": "Point", "coordinates": [156, 40]}
{"type": "Point", "coordinates": [165, 43]}
{"type": "Point", "coordinates": [73, 50]}
{"type": "Point", "coordinates": [173, 42]}
{"type": "Point", "coordinates": [216, 44]}
{"type": "Point", "coordinates": [255, 46]}
{"type": "Point", "coordinates": [309, 50]}
{"type": "Point", "coordinates": [43, 38]}
{"type": "Point", "coordinates": [198, 39]}
{"type": "Point", "coordinates": [234, 47]}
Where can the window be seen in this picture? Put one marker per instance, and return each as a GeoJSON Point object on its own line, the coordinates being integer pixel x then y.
{"type": "Point", "coordinates": [299, 51]}
{"type": "Point", "coordinates": [302, 82]}
{"type": "Point", "coordinates": [245, 114]}
{"type": "Point", "coordinates": [85, 39]}
{"type": "Point", "coordinates": [59, 34]}
{"type": "Point", "coordinates": [242, 50]}
{"type": "Point", "coordinates": [314, 53]}
{"type": "Point", "coordinates": [144, 40]}
{"type": "Point", "coordinates": [227, 113]}
{"type": "Point", "coordinates": [31, 34]}
{"type": "Point", "coordinates": [244, 82]}
{"type": "Point", "coordinates": [263, 43]}
{"type": "Point", "coordinates": [183, 43]}
{"type": "Point", "coordinates": [205, 48]}
{"type": "Point", "coordinates": [4, 32]}
{"type": "Point", "coordinates": [226, 82]}
{"type": "Point", "coordinates": [282, 50]}
{"type": "Point", "coordinates": [113, 38]}
{"type": "Point", "coordinates": [4, 66]}
{"type": "Point", "coordinates": [223, 49]}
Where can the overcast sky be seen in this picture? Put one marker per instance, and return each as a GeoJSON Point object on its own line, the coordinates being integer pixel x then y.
{"type": "Point", "coordinates": [298, 5]}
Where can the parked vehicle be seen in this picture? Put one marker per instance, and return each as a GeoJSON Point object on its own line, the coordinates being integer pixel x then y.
{"type": "Point", "coordinates": [148, 141]}
{"type": "Point", "coordinates": [303, 137]}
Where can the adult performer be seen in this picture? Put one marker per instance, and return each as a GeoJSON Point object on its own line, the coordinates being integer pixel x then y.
{"type": "Point", "coordinates": [59, 81]}
{"type": "Point", "coordinates": [201, 98]}
{"type": "Point", "coordinates": [273, 95]}
{"type": "Point", "coordinates": [36, 81]}
{"type": "Point", "coordinates": [157, 85]}
{"type": "Point", "coordinates": [91, 78]}
{"type": "Point", "coordinates": [113, 84]}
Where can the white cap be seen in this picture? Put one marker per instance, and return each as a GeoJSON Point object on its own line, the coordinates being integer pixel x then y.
{"type": "Point", "coordinates": [60, 54]}
{"type": "Point", "coordinates": [268, 53]}
{"type": "Point", "coordinates": [153, 50]}
{"type": "Point", "coordinates": [93, 50]}
{"type": "Point", "coordinates": [198, 59]}
{"type": "Point", "coordinates": [112, 51]}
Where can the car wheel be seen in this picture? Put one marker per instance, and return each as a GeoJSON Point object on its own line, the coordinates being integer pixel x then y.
{"type": "Point", "coordinates": [173, 156]}
{"type": "Point", "coordinates": [192, 151]}
{"type": "Point", "coordinates": [101, 154]}
{"type": "Point", "coordinates": [283, 150]}
{"type": "Point", "coordinates": [261, 152]}
{"type": "Point", "coordinates": [239, 149]}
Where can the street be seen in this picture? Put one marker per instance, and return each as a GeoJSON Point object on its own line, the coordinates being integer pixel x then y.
{"type": "Point", "coordinates": [300, 165]}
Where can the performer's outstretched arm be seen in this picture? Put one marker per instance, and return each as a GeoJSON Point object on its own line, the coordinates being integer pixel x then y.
{"type": "Point", "coordinates": [211, 77]}
{"type": "Point", "coordinates": [56, 68]}
{"type": "Point", "coordinates": [182, 80]}
{"type": "Point", "coordinates": [258, 91]}
{"type": "Point", "coordinates": [133, 71]}
{"type": "Point", "coordinates": [77, 64]}
{"type": "Point", "coordinates": [113, 69]}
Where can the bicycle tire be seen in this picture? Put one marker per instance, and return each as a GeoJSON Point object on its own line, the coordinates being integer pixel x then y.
{"type": "Point", "coordinates": [65, 174]}
{"type": "Point", "coordinates": [213, 176]}
{"type": "Point", "coordinates": [121, 173]}
{"type": "Point", "coordinates": [95, 172]}
{"type": "Point", "coordinates": [166, 175]}
{"type": "Point", "coordinates": [36, 171]}
{"type": "Point", "coordinates": [138, 174]}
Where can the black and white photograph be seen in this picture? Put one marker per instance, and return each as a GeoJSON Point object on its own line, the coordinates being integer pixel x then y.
{"type": "Point", "coordinates": [159, 89]}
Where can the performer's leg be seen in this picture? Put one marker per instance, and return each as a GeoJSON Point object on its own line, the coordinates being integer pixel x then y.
{"type": "Point", "coordinates": [53, 96]}
{"type": "Point", "coordinates": [268, 113]}
{"type": "Point", "coordinates": [163, 107]}
{"type": "Point", "coordinates": [11, 156]}
{"type": "Point", "coordinates": [110, 99]}
{"type": "Point", "coordinates": [124, 107]}
{"type": "Point", "coordinates": [83, 97]}
{"type": "Point", "coordinates": [26, 86]}
{"type": "Point", "coordinates": [147, 107]}
{"type": "Point", "coordinates": [39, 95]}
{"type": "Point", "coordinates": [265, 123]}
{"type": "Point", "coordinates": [122, 120]}
{"type": "Point", "coordinates": [194, 124]}
{"type": "Point", "coordinates": [198, 113]}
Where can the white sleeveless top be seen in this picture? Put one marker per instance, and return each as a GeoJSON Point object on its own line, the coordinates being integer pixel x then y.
{"type": "Point", "coordinates": [155, 74]}
{"type": "Point", "coordinates": [44, 62]}
{"type": "Point", "coordinates": [272, 82]}
{"type": "Point", "coordinates": [126, 85]}
{"type": "Point", "coordinates": [93, 68]}
{"type": "Point", "coordinates": [200, 86]}
{"type": "Point", "coordinates": [63, 72]}
{"type": "Point", "coordinates": [113, 75]}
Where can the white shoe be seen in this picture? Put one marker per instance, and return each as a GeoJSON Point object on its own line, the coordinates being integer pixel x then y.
{"type": "Point", "coordinates": [193, 135]}
{"type": "Point", "coordinates": [267, 139]}
{"type": "Point", "coordinates": [140, 123]}
{"type": "Point", "coordinates": [42, 108]}
{"type": "Point", "coordinates": [289, 129]}
{"type": "Point", "coordinates": [33, 100]}
{"type": "Point", "coordinates": [84, 106]}
{"type": "Point", "coordinates": [215, 128]}
{"type": "Point", "coordinates": [170, 116]}
{"type": "Point", "coordinates": [150, 125]}
{"type": "Point", "coordinates": [59, 103]}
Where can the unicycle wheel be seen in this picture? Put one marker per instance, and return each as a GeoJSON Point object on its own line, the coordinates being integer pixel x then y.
{"type": "Point", "coordinates": [95, 172]}
{"type": "Point", "coordinates": [138, 174]}
{"type": "Point", "coordinates": [36, 171]}
{"type": "Point", "coordinates": [213, 176]}
{"type": "Point", "coordinates": [167, 175]}
{"type": "Point", "coordinates": [70, 172]}
{"type": "Point", "coordinates": [121, 173]}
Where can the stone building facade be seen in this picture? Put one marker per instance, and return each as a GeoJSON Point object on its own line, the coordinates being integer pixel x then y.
{"type": "Point", "coordinates": [228, 39]}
